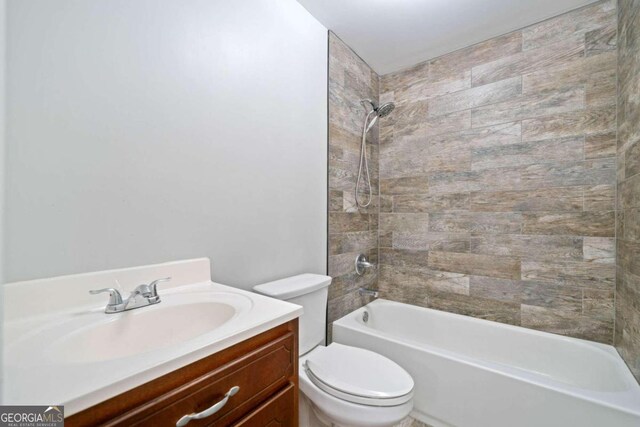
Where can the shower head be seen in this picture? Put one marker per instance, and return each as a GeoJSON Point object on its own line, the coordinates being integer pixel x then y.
{"type": "Point", "coordinates": [381, 111]}
{"type": "Point", "coordinates": [385, 109]}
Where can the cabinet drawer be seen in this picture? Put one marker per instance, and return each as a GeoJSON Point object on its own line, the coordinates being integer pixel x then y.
{"type": "Point", "coordinates": [277, 411]}
{"type": "Point", "coordinates": [258, 375]}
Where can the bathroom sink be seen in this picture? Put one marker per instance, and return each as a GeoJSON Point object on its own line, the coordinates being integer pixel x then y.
{"type": "Point", "coordinates": [60, 345]}
{"type": "Point", "coordinates": [90, 336]}
{"type": "Point", "coordinates": [139, 331]}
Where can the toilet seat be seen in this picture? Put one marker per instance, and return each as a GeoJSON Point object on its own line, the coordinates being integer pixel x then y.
{"type": "Point", "coordinates": [359, 376]}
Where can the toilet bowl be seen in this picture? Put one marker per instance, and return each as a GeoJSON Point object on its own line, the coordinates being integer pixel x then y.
{"type": "Point", "coordinates": [345, 386]}
{"type": "Point", "coordinates": [349, 386]}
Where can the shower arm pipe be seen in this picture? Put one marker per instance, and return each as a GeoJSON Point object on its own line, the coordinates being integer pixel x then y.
{"type": "Point", "coordinates": [368, 101]}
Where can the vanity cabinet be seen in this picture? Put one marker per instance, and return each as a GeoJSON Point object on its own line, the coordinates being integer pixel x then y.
{"type": "Point", "coordinates": [264, 369]}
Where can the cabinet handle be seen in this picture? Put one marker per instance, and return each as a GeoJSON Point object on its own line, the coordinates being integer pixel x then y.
{"type": "Point", "coordinates": [208, 412]}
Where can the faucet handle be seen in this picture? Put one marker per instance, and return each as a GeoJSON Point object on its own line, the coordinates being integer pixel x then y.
{"type": "Point", "coordinates": [362, 264]}
{"type": "Point", "coordinates": [114, 295]}
{"type": "Point", "coordinates": [153, 286]}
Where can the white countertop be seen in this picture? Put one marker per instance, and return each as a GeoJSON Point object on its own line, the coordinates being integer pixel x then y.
{"type": "Point", "coordinates": [34, 376]}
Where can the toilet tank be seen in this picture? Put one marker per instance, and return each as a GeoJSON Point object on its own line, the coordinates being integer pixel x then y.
{"type": "Point", "coordinates": [310, 291]}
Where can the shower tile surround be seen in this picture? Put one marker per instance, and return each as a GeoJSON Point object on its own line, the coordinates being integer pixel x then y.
{"type": "Point", "coordinates": [352, 230]}
{"type": "Point", "coordinates": [627, 335]}
{"type": "Point", "coordinates": [497, 178]}
{"type": "Point", "coordinates": [496, 175]}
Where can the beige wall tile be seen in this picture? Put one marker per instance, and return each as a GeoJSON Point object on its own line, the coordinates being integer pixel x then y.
{"type": "Point", "coordinates": [479, 265]}
{"type": "Point", "coordinates": [476, 222]}
{"type": "Point", "coordinates": [600, 197]}
{"type": "Point", "coordinates": [463, 59]}
{"type": "Point", "coordinates": [558, 76]}
{"type": "Point", "coordinates": [600, 145]}
{"type": "Point", "coordinates": [570, 24]}
{"type": "Point", "coordinates": [543, 248]}
{"type": "Point", "coordinates": [564, 51]}
{"type": "Point", "coordinates": [581, 274]}
{"type": "Point", "coordinates": [405, 185]}
{"type": "Point", "coordinates": [413, 222]}
{"type": "Point", "coordinates": [627, 293]}
{"type": "Point", "coordinates": [545, 199]}
{"type": "Point", "coordinates": [527, 153]}
{"type": "Point", "coordinates": [476, 97]}
{"type": "Point", "coordinates": [530, 106]}
{"type": "Point", "coordinates": [437, 241]}
{"type": "Point", "coordinates": [566, 323]}
{"type": "Point", "coordinates": [352, 230]}
{"type": "Point", "coordinates": [572, 223]}
{"type": "Point", "coordinates": [582, 122]}
{"type": "Point", "coordinates": [601, 250]}
{"type": "Point", "coordinates": [431, 202]}
{"type": "Point", "coordinates": [497, 175]}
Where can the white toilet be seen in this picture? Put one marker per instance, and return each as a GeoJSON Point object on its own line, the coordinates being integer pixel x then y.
{"type": "Point", "coordinates": [345, 386]}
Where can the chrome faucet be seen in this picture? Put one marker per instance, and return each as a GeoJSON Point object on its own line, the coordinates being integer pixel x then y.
{"type": "Point", "coordinates": [362, 264]}
{"type": "Point", "coordinates": [368, 292]}
{"type": "Point", "coordinates": [142, 295]}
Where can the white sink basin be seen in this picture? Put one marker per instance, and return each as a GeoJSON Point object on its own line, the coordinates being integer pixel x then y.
{"type": "Point", "coordinates": [60, 346]}
{"type": "Point", "coordinates": [139, 331]}
{"type": "Point", "coordinates": [92, 336]}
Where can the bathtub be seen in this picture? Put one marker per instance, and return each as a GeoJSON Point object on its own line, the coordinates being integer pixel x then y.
{"type": "Point", "coordinates": [475, 373]}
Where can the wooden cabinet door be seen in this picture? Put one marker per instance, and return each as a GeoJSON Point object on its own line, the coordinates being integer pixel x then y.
{"type": "Point", "coordinates": [258, 375]}
{"type": "Point", "coordinates": [262, 367]}
{"type": "Point", "coordinates": [278, 411]}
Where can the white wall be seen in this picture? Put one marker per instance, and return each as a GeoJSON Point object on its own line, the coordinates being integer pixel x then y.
{"type": "Point", "coordinates": [2, 173]}
{"type": "Point", "coordinates": [2, 138]}
{"type": "Point", "coordinates": [142, 131]}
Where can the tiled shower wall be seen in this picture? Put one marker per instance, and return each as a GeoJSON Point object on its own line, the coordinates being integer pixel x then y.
{"type": "Point", "coordinates": [628, 255]}
{"type": "Point", "coordinates": [497, 178]}
{"type": "Point", "coordinates": [352, 230]}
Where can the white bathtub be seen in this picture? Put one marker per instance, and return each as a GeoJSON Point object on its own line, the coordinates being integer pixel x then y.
{"type": "Point", "coordinates": [475, 373]}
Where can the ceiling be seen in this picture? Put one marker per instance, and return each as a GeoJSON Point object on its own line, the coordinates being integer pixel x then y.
{"type": "Point", "coordinates": [394, 34]}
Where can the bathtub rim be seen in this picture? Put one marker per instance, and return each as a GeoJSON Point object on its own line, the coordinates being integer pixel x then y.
{"type": "Point", "coordinates": [350, 322]}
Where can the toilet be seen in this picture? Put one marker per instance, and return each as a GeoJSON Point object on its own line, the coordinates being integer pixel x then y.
{"type": "Point", "coordinates": [344, 386]}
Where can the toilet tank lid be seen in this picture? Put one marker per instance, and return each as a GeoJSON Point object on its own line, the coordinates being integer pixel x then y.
{"type": "Point", "coordinates": [293, 286]}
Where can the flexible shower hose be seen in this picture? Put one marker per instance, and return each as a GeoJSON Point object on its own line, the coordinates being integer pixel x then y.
{"type": "Point", "coordinates": [363, 162]}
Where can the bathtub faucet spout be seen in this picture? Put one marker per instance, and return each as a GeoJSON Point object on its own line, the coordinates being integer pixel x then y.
{"type": "Point", "coordinates": [368, 292]}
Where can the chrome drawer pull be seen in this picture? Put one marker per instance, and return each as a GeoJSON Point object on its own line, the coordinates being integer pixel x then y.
{"type": "Point", "coordinates": [208, 412]}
